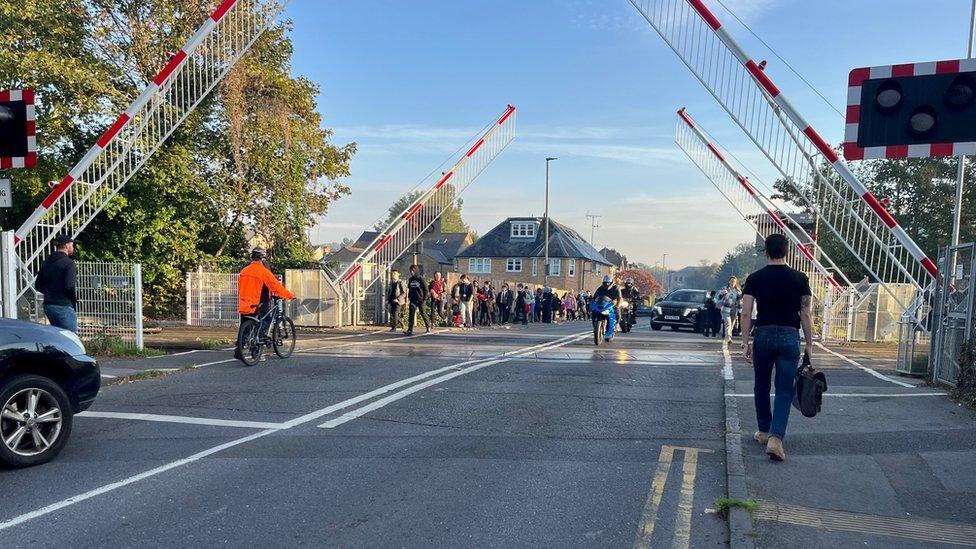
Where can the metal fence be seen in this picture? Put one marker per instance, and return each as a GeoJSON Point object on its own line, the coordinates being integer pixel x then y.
{"type": "Point", "coordinates": [869, 313]}
{"type": "Point", "coordinates": [8, 276]}
{"type": "Point", "coordinates": [954, 309]}
{"type": "Point", "coordinates": [211, 299]}
{"type": "Point", "coordinates": [110, 302]}
{"type": "Point", "coordinates": [317, 298]}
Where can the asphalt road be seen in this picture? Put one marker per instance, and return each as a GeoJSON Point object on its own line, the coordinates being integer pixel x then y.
{"type": "Point", "coordinates": [528, 436]}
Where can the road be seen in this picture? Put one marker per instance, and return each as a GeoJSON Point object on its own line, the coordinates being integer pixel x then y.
{"type": "Point", "coordinates": [528, 436]}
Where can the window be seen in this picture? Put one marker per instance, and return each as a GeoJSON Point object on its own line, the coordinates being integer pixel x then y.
{"type": "Point", "coordinates": [513, 265]}
{"type": "Point", "coordinates": [571, 268]}
{"type": "Point", "coordinates": [535, 267]}
{"type": "Point", "coordinates": [479, 265]}
{"type": "Point", "coordinates": [523, 230]}
{"type": "Point", "coordinates": [555, 267]}
{"type": "Point", "coordinates": [594, 268]}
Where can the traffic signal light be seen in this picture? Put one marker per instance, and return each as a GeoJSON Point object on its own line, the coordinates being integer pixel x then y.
{"type": "Point", "coordinates": [18, 147]}
{"type": "Point", "coordinates": [911, 110]}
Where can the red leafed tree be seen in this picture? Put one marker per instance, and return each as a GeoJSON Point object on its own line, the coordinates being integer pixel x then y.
{"type": "Point", "coordinates": [644, 280]}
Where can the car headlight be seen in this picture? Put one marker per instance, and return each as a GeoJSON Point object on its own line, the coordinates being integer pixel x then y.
{"type": "Point", "coordinates": [656, 309]}
{"type": "Point", "coordinates": [688, 311]}
{"type": "Point", "coordinates": [74, 338]}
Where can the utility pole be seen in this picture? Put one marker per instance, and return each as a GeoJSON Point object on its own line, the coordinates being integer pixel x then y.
{"type": "Point", "coordinates": [593, 227]}
{"type": "Point", "coordinates": [667, 275]}
{"type": "Point", "coordinates": [545, 277]}
{"type": "Point", "coordinates": [961, 173]}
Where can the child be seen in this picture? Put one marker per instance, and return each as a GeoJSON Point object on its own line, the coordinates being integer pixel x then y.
{"type": "Point", "coordinates": [456, 315]}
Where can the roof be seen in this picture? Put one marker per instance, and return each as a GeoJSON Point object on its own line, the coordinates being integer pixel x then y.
{"type": "Point", "coordinates": [563, 242]}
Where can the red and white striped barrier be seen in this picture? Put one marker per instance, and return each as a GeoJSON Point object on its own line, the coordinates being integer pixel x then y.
{"type": "Point", "coordinates": [147, 93]}
{"type": "Point", "coordinates": [759, 199]}
{"type": "Point", "coordinates": [30, 159]}
{"type": "Point", "coordinates": [853, 117]}
{"type": "Point", "coordinates": [811, 134]}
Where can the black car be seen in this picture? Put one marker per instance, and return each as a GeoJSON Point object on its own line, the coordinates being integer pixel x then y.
{"type": "Point", "coordinates": [45, 379]}
{"type": "Point", "coordinates": [679, 309]}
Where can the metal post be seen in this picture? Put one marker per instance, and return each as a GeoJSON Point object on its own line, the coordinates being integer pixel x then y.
{"type": "Point", "coordinates": [545, 276]}
{"type": "Point", "coordinates": [8, 272]}
{"type": "Point", "coordinates": [189, 299]}
{"type": "Point", "coordinates": [137, 274]}
{"type": "Point", "coordinates": [961, 171]}
{"type": "Point", "coordinates": [667, 275]}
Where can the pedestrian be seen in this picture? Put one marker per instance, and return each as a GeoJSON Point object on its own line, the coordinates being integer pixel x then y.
{"type": "Point", "coordinates": [396, 299]}
{"type": "Point", "coordinates": [710, 312]}
{"type": "Point", "coordinates": [485, 297]}
{"type": "Point", "coordinates": [503, 301]}
{"type": "Point", "coordinates": [782, 296]}
{"type": "Point", "coordinates": [537, 307]}
{"type": "Point", "coordinates": [547, 308]}
{"type": "Point", "coordinates": [417, 296]}
{"type": "Point", "coordinates": [462, 294]}
{"type": "Point", "coordinates": [57, 280]}
{"type": "Point", "coordinates": [581, 306]}
{"type": "Point", "coordinates": [569, 305]}
{"type": "Point", "coordinates": [436, 293]}
{"type": "Point", "coordinates": [729, 302]}
{"type": "Point", "coordinates": [520, 304]}
{"type": "Point", "coordinates": [529, 305]}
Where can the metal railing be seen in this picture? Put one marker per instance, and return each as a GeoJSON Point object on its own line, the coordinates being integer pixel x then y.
{"type": "Point", "coordinates": [191, 73]}
{"type": "Point", "coordinates": [8, 276]}
{"type": "Point", "coordinates": [806, 162]}
{"type": "Point", "coordinates": [110, 302]}
{"type": "Point", "coordinates": [955, 308]}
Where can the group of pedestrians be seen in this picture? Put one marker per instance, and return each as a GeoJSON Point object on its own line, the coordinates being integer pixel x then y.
{"type": "Point", "coordinates": [722, 312]}
{"type": "Point", "coordinates": [469, 303]}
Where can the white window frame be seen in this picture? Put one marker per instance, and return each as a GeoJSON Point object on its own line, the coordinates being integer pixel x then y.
{"type": "Point", "coordinates": [479, 265]}
{"type": "Point", "coordinates": [535, 267]}
{"type": "Point", "coordinates": [523, 230]}
{"type": "Point", "coordinates": [571, 268]}
{"type": "Point", "coordinates": [594, 267]}
{"type": "Point", "coordinates": [555, 266]}
{"type": "Point", "coordinates": [513, 265]}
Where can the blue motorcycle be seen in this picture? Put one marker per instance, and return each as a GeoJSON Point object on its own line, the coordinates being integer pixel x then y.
{"type": "Point", "coordinates": [604, 316]}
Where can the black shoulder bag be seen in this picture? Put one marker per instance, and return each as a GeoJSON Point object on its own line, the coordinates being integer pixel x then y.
{"type": "Point", "coordinates": [810, 387]}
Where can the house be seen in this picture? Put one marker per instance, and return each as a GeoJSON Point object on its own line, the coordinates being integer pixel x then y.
{"type": "Point", "coordinates": [696, 277]}
{"type": "Point", "coordinates": [514, 251]}
{"type": "Point", "coordinates": [618, 259]}
{"type": "Point", "coordinates": [434, 251]}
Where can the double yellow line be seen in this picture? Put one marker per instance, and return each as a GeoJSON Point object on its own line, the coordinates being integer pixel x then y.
{"type": "Point", "coordinates": [682, 522]}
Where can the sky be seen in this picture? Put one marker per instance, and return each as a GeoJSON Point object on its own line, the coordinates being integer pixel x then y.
{"type": "Point", "coordinates": [595, 86]}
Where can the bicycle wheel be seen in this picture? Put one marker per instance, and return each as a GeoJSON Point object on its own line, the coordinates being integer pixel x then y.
{"type": "Point", "coordinates": [249, 346]}
{"type": "Point", "coordinates": [283, 337]}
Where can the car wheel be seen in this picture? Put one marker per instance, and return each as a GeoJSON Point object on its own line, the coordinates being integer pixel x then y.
{"type": "Point", "coordinates": [35, 421]}
{"type": "Point", "coordinates": [655, 326]}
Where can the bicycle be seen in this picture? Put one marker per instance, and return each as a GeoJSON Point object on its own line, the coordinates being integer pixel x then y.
{"type": "Point", "coordinates": [253, 337]}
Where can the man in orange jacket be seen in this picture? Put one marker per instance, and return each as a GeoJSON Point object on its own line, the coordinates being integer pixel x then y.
{"type": "Point", "coordinates": [255, 286]}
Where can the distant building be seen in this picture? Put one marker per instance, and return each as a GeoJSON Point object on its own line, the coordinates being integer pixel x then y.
{"type": "Point", "coordinates": [436, 251]}
{"type": "Point", "coordinates": [695, 277]}
{"type": "Point", "coordinates": [514, 251]}
{"type": "Point", "coordinates": [618, 259]}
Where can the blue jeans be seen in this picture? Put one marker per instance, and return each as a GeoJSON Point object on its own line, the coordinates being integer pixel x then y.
{"type": "Point", "coordinates": [775, 348]}
{"type": "Point", "coordinates": [62, 316]}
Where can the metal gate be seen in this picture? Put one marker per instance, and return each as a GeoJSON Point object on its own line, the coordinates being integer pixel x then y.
{"type": "Point", "coordinates": [110, 302]}
{"type": "Point", "coordinates": [954, 310]}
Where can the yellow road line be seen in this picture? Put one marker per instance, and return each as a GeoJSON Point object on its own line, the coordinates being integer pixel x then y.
{"type": "Point", "coordinates": [682, 522]}
{"type": "Point", "coordinates": [649, 515]}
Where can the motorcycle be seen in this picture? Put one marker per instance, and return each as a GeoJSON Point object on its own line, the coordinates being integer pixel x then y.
{"type": "Point", "coordinates": [604, 318]}
{"type": "Point", "coordinates": [627, 319]}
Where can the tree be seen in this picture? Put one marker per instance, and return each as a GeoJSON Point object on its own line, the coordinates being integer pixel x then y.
{"type": "Point", "coordinates": [645, 282]}
{"type": "Point", "coordinates": [742, 261]}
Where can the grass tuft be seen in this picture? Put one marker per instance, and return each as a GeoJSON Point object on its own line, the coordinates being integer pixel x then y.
{"type": "Point", "coordinates": [724, 505]}
{"type": "Point", "coordinates": [111, 346]}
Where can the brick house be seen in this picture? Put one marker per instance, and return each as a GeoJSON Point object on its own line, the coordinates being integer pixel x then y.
{"type": "Point", "coordinates": [514, 251]}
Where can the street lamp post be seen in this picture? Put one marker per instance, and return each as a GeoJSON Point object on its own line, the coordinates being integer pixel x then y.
{"type": "Point", "coordinates": [545, 276]}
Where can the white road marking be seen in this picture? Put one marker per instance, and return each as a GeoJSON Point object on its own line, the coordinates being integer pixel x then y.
{"type": "Point", "coordinates": [48, 509]}
{"type": "Point", "coordinates": [387, 340]}
{"type": "Point", "coordinates": [359, 412]}
{"type": "Point", "coordinates": [865, 368]}
{"type": "Point", "coordinates": [182, 419]}
{"type": "Point", "coordinates": [854, 395]}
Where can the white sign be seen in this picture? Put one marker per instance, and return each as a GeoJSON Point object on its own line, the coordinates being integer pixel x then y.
{"type": "Point", "coordinates": [6, 200]}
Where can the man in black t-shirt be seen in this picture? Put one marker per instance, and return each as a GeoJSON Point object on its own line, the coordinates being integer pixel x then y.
{"type": "Point", "coordinates": [782, 297]}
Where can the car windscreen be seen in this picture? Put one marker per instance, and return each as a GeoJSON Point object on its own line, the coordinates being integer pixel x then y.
{"type": "Point", "coordinates": [687, 296]}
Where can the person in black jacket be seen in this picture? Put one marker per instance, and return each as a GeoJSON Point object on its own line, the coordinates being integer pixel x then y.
{"type": "Point", "coordinates": [417, 295]}
{"type": "Point", "coordinates": [57, 279]}
{"type": "Point", "coordinates": [396, 298]}
{"type": "Point", "coordinates": [503, 300]}
{"type": "Point", "coordinates": [462, 294]}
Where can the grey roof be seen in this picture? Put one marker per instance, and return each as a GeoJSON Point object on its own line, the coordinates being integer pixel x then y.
{"type": "Point", "coordinates": [563, 242]}
{"type": "Point", "coordinates": [447, 244]}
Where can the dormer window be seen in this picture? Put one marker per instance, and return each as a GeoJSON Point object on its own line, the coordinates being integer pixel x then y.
{"type": "Point", "coordinates": [521, 229]}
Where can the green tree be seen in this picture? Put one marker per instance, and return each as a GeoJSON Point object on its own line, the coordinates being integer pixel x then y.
{"type": "Point", "coordinates": [451, 220]}
{"type": "Point", "coordinates": [740, 262]}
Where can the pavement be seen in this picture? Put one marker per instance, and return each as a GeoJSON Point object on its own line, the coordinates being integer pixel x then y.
{"type": "Point", "coordinates": [504, 437]}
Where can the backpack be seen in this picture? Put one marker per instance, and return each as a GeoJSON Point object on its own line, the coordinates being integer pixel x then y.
{"type": "Point", "coordinates": [810, 387]}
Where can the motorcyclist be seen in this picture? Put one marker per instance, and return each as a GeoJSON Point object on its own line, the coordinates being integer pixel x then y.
{"type": "Point", "coordinates": [632, 295]}
{"type": "Point", "coordinates": [611, 291]}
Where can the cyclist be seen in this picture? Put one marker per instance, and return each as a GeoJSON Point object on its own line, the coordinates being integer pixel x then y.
{"type": "Point", "coordinates": [255, 286]}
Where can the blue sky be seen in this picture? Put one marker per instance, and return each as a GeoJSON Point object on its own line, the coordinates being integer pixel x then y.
{"type": "Point", "coordinates": [411, 82]}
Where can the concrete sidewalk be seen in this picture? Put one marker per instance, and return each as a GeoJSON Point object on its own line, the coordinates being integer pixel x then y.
{"type": "Point", "coordinates": [883, 465]}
